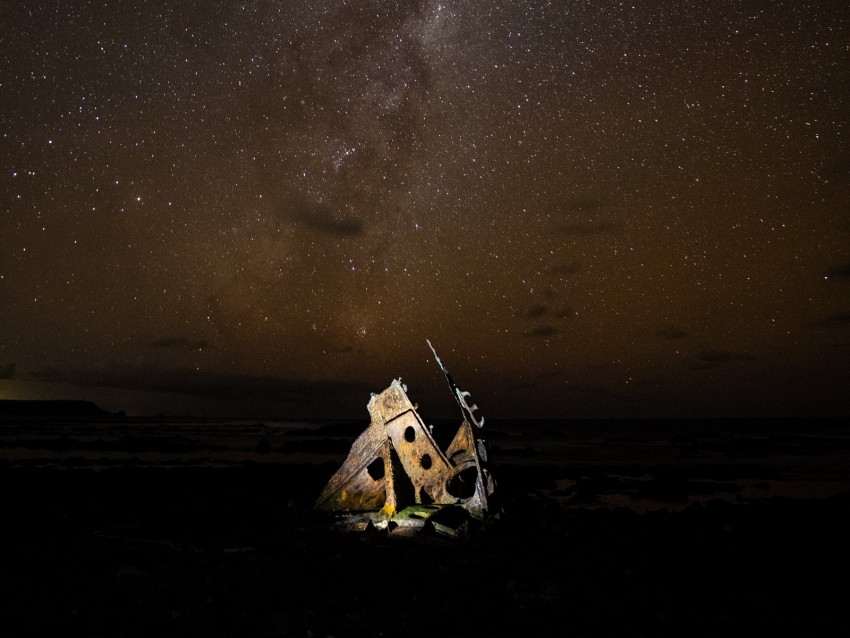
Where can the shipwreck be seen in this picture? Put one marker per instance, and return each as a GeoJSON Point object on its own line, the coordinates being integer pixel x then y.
{"type": "Point", "coordinates": [396, 478]}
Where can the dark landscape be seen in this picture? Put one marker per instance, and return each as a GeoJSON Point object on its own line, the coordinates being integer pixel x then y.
{"type": "Point", "coordinates": [120, 526]}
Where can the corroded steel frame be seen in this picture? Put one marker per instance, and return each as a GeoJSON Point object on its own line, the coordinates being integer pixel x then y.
{"type": "Point", "coordinates": [396, 464]}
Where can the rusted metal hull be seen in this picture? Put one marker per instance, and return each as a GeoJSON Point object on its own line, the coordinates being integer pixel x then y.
{"type": "Point", "coordinates": [397, 478]}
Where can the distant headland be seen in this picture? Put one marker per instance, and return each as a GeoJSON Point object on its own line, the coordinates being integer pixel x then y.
{"type": "Point", "coordinates": [58, 408]}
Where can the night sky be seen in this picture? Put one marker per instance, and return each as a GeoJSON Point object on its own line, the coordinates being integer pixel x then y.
{"type": "Point", "coordinates": [592, 208]}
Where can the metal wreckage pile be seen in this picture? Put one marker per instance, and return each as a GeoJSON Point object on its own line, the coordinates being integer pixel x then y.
{"type": "Point", "coordinates": [397, 479]}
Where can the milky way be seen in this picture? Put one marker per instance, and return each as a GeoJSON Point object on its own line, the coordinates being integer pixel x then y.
{"type": "Point", "coordinates": [591, 208]}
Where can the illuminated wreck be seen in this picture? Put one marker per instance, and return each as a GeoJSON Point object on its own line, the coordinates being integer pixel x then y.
{"type": "Point", "coordinates": [396, 477]}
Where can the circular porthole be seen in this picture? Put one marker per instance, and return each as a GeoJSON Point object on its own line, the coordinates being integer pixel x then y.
{"type": "Point", "coordinates": [462, 484]}
{"type": "Point", "coordinates": [409, 434]}
{"type": "Point", "coordinates": [425, 461]}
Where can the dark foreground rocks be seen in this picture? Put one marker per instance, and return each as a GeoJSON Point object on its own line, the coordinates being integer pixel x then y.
{"type": "Point", "coordinates": [237, 551]}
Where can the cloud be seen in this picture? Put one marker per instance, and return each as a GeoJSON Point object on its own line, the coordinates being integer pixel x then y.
{"type": "Point", "coordinates": [710, 358]}
{"type": "Point", "coordinates": [341, 350]}
{"type": "Point", "coordinates": [7, 372]}
{"type": "Point", "coordinates": [322, 221]}
{"type": "Point", "coordinates": [210, 385]}
{"type": "Point", "coordinates": [841, 317]}
{"type": "Point", "coordinates": [320, 218]}
{"type": "Point", "coordinates": [671, 333]}
{"type": "Point", "coordinates": [567, 268]}
{"type": "Point", "coordinates": [179, 343]}
{"type": "Point", "coordinates": [839, 271]}
{"type": "Point", "coordinates": [721, 356]}
{"type": "Point", "coordinates": [543, 332]}
{"type": "Point", "coordinates": [539, 310]}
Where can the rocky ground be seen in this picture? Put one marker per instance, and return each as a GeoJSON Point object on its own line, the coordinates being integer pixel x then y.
{"type": "Point", "coordinates": [697, 539]}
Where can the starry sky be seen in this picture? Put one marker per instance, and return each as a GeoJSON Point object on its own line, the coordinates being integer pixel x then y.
{"type": "Point", "coordinates": [592, 208]}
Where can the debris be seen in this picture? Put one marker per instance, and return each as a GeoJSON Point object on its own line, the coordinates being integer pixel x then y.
{"type": "Point", "coordinates": [396, 477]}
